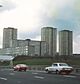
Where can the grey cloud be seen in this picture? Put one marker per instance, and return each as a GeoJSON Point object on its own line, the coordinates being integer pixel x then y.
{"type": "Point", "coordinates": [7, 5]}
{"type": "Point", "coordinates": [29, 35]}
{"type": "Point", "coordinates": [66, 17]}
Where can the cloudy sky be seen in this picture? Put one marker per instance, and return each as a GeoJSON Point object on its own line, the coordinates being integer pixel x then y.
{"type": "Point", "coordinates": [29, 16]}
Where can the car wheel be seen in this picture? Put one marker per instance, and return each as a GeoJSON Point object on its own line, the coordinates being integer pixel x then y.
{"type": "Point", "coordinates": [48, 71]}
{"type": "Point", "coordinates": [14, 69]}
{"type": "Point", "coordinates": [24, 69]}
{"type": "Point", "coordinates": [57, 71]}
{"type": "Point", "coordinates": [19, 70]}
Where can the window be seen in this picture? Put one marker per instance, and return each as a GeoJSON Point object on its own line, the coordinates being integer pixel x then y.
{"type": "Point", "coordinates": [55, 65]}
{"type": "Point", "coordinates": [63, 64]}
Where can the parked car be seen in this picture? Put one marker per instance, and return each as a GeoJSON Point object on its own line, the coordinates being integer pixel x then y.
{"type": "Point", "coordinates": [21, 67]}
{"type": "Point", "coordinates": [61, 68]}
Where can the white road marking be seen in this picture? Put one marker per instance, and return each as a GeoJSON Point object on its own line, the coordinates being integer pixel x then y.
{"type": "Point", "coordinates": [69, 76]}
{"type": "Point", "coordinates": [6, 69]}
{"type": "Point", "coordinates": [39, 77]}
{"type": "Point", "coordinates": [3, 78]}
{"type": "Point", "coordinates": [11, 73]}
{"type": "Point", "coordinates": [34, 73]}
{"type": "Point", "coordinates": [40, 71]}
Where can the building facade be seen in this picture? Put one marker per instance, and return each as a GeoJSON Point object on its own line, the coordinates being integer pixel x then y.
{"type": "Point", "coordinates": [39, 48]}
{"type": "Point", "coordinates": [26, 47]}
{"type": "Point", "coordinates": [8, 35]}
{"type": "Point", "coordinates": [49, 35]}
{"type": "Point", "coordinates": [65, 43]}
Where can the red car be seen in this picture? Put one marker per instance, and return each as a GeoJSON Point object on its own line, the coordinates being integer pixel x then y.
{"type": "Point", "coordinates": [21, 67]}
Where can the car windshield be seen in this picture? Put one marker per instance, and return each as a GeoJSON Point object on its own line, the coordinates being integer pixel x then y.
{"type": "Point", "coordinates": [63, 64]}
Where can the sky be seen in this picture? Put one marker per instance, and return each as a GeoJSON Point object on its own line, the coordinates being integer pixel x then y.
{"type": "Point", "coordinates": [29, 16]}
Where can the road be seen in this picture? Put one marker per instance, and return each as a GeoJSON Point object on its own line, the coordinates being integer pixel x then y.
{"type": "Point", "coordinates": [8, 76]}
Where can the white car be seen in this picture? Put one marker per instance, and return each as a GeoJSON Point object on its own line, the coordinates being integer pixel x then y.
{"type": "Point", "coordinates": [61, 68]}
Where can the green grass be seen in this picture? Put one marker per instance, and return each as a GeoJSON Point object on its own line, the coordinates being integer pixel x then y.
{"type": "Point", "coordinates": [74, 62]}
{"type": "Point", "coordinates": [41, 61]}
{"type": "Point", "coordinates": [4, 63]}
{"type": "Point", "coordinates": [46, 61]}
{"type": "Point", "coordinates": [35, 61]}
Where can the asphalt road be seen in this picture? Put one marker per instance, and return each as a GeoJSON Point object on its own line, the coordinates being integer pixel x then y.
{"type": "Point", "coordinates": [36, 77]}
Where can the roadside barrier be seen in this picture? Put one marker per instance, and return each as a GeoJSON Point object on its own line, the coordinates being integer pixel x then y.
{"type": "Point", "coordinates": [77, 70]}
{"type": "Point", "coordinates": [37, 67]}
{"type": "Point", "coordinates": [6, 67]}
{"type": "Point", "coordinates": [34, 67]}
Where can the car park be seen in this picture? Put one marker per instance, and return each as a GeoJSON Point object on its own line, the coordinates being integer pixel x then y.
{"type": "Point", "coordinates": [61, 68]}
{"type": "Point", "coordinates": [21, 67]}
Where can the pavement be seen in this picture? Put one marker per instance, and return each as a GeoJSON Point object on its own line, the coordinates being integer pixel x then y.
{"type": "Point", "coordinates": [9, 76]}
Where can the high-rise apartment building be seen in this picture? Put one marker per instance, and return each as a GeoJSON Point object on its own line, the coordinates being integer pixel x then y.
{"type": "Point", "coordinates": [65, 42]}
{"type": "Point", "coordinates": [49, 34]}
{"type": "Point", "coordinates": [8, 35]}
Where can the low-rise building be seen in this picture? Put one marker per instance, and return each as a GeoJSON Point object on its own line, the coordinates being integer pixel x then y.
{"type": "Point", "coordinates": [26, 47]}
